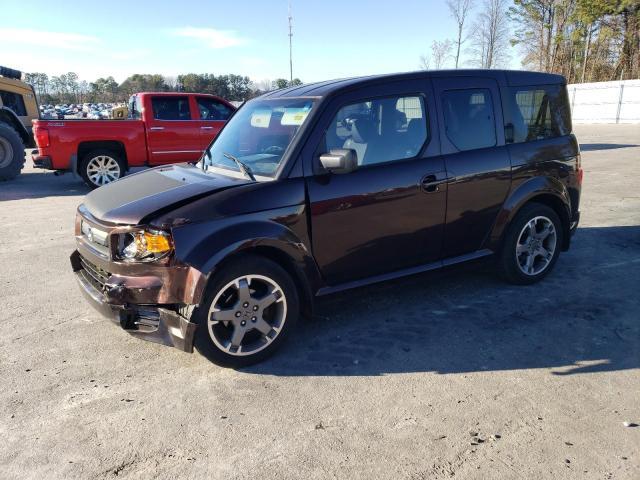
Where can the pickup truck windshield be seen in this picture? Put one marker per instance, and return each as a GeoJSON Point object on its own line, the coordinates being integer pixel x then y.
{"type": "Point", "coordinates": [258, 135]}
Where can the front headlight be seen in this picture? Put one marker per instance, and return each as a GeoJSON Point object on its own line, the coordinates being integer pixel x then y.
{"type": "Point", "coordinates": [144, 245]}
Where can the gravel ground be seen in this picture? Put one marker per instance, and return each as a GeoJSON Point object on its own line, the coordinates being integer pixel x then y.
{"type": "Point", "coordinates": [444, 374]}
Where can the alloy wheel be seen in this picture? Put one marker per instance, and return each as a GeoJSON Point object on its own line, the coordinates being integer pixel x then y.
{"type": "Point", "coordinates": [103, 169]}
{"type": "Point", "coordinates": [536, 245]}
{"type": "Point", "coordinates": [247, 315]}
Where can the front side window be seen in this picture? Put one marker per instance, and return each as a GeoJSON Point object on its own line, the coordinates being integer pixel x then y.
{"type": "Point", "coordinates": [171, 108]}
{"type": "Point", "coordinates": [380, 130]}
{"type": "Point", "coordinates": [14, 102]}
{"type": "Point", "coordinates": [538, 113]}
{"type": "Point", "coordinates": [468, 118]}
{"type": "Point", "coordinates": [258, 135]}
{"type": "Point", "coordinates": [211, 109]}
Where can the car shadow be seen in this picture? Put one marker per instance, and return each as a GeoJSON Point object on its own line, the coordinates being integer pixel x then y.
{"type": "Point", "coordinates": [32, 183]}
{"type": "Point", "coordinates": [582, 318]}
{"type": "Point", "coordinates": [590, 147]}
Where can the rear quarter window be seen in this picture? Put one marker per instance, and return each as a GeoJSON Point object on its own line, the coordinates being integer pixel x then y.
{"type": "Point", "coordinates": [537, 113]}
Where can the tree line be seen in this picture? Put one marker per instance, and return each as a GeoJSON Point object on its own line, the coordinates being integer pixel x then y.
{"type": "Point", "coordinates": [68, 88]}
{"type": "Point", "coordinates": [584, 40]}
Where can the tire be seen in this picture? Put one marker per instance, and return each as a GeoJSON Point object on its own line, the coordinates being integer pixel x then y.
{"type": "Point", "coordinates": [12, 154]}
{"type": "Point", "coordinates": [101, 167]}
{"type": "Point", "coordinates": [522, 260]}
{"type": "Point", "coordinates": [277, 316]}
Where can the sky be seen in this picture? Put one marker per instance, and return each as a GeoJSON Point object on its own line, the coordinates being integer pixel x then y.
{"type": "Point", "coordinates": [331, 38]}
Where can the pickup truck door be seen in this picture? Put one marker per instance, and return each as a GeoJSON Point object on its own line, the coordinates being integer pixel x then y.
{"type": "Point", "coordinates": [212, 115]}
{"type": "Point", "coordinates": [476, 159]}
{"type": "Point", "coordinates": [388, 214]}
{"type": "Point", "coordinates": [173, 134]}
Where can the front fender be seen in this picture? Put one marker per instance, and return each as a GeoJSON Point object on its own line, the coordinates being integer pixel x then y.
{"type": "Point", "coordinates": [525, 192]}
{"type": "Point", "coordinates": [206, 245]}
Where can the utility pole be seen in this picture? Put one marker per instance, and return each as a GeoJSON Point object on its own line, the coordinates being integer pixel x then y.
{"type": "Point", "coordinates": [290, 45]}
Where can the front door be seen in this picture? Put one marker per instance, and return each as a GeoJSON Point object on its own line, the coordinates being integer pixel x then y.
{"type": "Point", "coordinates": [388, 214]}
{"type": "Point", "coordinates": [172, 134]}
{"type": "Point", "coordinates": [477, 161]}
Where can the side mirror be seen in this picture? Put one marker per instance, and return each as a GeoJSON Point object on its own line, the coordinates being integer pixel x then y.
{"type": "Point", "coordinates": [340, 160]}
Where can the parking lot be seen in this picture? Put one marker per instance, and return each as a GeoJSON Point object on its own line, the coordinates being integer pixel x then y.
{"type": "Point", "coordinates": [446, 374]}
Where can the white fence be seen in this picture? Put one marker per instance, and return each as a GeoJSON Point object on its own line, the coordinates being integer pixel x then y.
{"type": "Point", "coordinates": [605, 102]}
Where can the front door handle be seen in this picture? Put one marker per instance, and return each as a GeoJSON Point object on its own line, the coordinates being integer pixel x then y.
{"type": "Point", "coordinates": [206, 128]}
{"type": "Point", "coordinates": [154, 129]}
{"type": "Point", "coordinates": [431, 183]}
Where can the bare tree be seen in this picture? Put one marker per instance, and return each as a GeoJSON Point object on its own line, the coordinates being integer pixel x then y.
{"type": "Point", "coordinates": [491, 35]}
{"type": "Point", "coordinates": [441, 52]}
{"type": "Point", "coordinates": [459, 9]}
{"type": "Point", "coordinates": [425, 62]}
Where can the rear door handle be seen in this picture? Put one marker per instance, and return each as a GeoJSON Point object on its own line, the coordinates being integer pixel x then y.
{"type": "Point", "coordinates": [155, 129]}
{"type": "Point", "coordinates": [206, 128]}
{"type": "Point", "coordinates": [431, 183]}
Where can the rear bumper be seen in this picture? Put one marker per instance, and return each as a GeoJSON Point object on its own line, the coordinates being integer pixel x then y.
{"type": "Point", "coordinates": [154, 323]}
{"type": "Point", "coordinates": [43, 161]}
{"type": "Point", "coordinates": [574, 223]}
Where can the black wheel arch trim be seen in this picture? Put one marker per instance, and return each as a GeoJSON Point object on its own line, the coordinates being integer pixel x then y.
{"type": "Point", "coordinates": [261, 237]}
{"type": "Point", "coordinates": [543, 188]}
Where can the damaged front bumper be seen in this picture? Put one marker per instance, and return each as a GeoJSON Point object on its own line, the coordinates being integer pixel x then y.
{"type": "Point", "coordinates": [112, 296]}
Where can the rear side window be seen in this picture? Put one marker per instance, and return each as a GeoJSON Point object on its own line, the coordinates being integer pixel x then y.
{"type": "Point", "coordinates": [469, 119]}
{"type": "Point", "coordinates": [171, 108]}
{"type": "Point", "coordinates": [537, 113]}
{"type": "Point", "coordinates": [14, 102]}
{"type": "Point", "coordinates": [380, 130]}
{"type": "Point", "coordinates": [211, 109]}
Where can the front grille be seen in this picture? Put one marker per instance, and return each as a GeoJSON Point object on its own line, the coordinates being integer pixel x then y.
{"type": "Point", "coordinates": [94, 274]}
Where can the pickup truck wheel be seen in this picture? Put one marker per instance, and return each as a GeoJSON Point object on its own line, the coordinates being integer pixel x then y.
{"type": "Point", "coordinates": [532, 245]}
{"type": "Point", "coordinates": [100, 167]}
{"type": "Point", "coordinates": [250, 307]}
{"type": "Point", "coordinates": [11, 152]}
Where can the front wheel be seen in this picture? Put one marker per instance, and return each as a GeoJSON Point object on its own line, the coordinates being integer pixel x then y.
{"type": "Point", "coordinates": [532, 244]}
{"type": "Point", "coordinates": [250, 307]}
{"type": "Point", "coordinates": [101, 167]}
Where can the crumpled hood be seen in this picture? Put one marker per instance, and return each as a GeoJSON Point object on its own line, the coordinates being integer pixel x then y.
{"type": "Point", "coordinates": [135, 197]}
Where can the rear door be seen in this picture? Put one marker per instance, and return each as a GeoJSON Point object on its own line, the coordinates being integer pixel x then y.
{"type": "Point", "coordinates": [212, 115]}
{"type": "Point", "coordinates": [173, 132]}
{"type": "Point", "coordinates": [476, 159]}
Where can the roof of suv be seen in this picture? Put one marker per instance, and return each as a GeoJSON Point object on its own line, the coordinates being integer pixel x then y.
{"type": "Point", "coordinates": [503, 77]}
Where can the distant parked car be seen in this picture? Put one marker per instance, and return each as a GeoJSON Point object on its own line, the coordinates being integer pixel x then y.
{"type": "Point", "coordinates": [321, 188]}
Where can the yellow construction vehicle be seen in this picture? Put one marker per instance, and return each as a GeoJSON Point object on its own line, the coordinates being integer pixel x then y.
{"type": "Point", "coordinates": [18, 107]}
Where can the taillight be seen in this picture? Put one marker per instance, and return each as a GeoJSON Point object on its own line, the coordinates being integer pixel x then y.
{"type": "Point", "coordinates": [42, 137]}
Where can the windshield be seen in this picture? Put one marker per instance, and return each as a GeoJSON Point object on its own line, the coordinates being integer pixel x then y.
{"type": "Point", "coordinates": [257, 136]}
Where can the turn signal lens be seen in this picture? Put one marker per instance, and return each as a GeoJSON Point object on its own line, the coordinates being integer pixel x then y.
{"type": "Point", "coordinates": [156, 243]}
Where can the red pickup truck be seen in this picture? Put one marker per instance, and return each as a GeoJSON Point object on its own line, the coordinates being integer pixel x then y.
{"type": "Point", "coordinates": [162, 128]}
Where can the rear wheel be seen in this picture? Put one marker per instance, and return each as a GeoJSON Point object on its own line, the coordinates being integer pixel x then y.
{"type": "Point", "coordinates": [100, 167]}
{"type": "Point", "coordinates": [532, 244]}
{"type": "Point", "coordinates": [251, 306]}
{"type": "Point", "coordinates": [11, 152]}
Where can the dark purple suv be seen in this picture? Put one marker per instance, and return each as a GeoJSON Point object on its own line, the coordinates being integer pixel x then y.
{"type": "Point", "coordinates": [329, 186]}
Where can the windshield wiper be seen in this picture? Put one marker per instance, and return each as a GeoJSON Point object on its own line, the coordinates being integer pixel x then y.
{"type": "Point", "coordinates": [246, 171]}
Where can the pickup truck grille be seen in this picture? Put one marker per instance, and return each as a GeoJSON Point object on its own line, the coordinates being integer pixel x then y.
{"type": "Point", "coordinates": [94, 274]}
